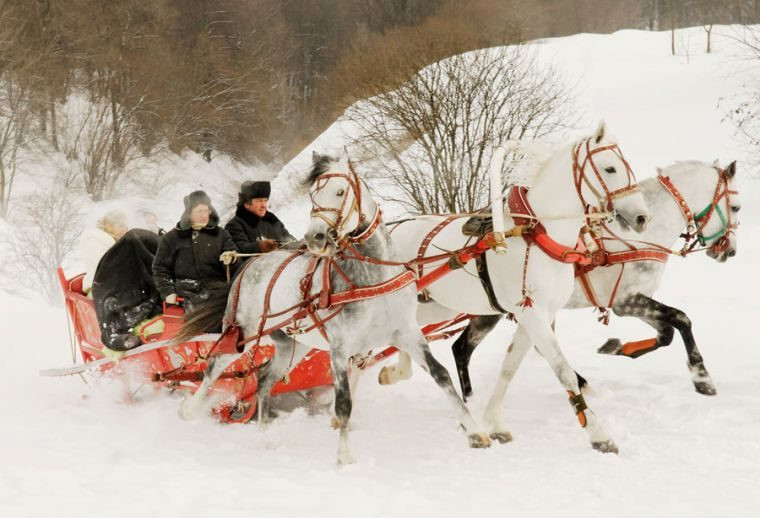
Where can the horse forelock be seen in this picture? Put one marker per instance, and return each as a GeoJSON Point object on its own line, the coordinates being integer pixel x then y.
{"type": "Point", "coordinates": [319, 167]}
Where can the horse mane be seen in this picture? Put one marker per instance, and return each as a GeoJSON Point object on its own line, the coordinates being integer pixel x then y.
{"type": "Point", "coordinates": [682, 165]}
{"type": "Point", "coordinates": [319, 168]}
{"type": "Point", "coordinates": [692, 163]}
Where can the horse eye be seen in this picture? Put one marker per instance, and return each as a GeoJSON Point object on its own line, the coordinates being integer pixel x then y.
{"type": "Point", "coordinates": [610, 169]}
{"type": "Point", "coordinates": [735, 209]}
{"type": "Point", "coordinates": [340, 193]}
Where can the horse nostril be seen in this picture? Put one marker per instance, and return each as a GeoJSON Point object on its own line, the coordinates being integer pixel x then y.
{"type": "Point", "coordinates": [732, 253]}
{"type": "Point", "coordinates": [319, 236]}
{"type": "Point", "coordinates": [641, 220]}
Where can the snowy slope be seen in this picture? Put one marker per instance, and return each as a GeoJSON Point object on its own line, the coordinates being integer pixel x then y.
{"type": "Point", "coordinates": [70, 449]}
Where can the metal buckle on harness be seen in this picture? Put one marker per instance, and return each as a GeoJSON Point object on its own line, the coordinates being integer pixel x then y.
{"type": "Point", "coordinates": [294, 330]}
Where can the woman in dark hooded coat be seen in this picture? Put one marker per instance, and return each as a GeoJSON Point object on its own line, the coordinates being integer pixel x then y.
{"type": "Point", "coordinates": [187, 262]}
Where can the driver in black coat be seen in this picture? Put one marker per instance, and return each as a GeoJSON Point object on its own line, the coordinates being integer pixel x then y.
{"type": "Point", "coordinates": [253, 228]}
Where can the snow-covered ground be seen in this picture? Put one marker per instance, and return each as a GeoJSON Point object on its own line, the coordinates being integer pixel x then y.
{"type": "Point", "coordinates": [73, 449]}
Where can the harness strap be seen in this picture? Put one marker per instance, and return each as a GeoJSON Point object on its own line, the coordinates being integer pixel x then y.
{"type": "Point", "coordinates": [428, 239]}
{"type": "Point", "coordinates": [680, 201]}
{"type": "Point", "coordinates": [536, 232]}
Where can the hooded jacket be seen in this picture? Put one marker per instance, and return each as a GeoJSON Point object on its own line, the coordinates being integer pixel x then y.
{"type": "Point", "coordinates": [247, 229]}
{"type": "Point", "coordinates": [123, 289]}
{"type": "Point", "coordinates": [185, 254]}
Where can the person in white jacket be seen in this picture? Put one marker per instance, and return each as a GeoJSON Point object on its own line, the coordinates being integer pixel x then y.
{"type": "Point", "coordinates": [97, 240]}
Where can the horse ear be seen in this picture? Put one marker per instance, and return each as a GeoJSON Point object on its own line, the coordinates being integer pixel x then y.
{"type": "Point", "coordinates": [731, 169]}
{"type": "Point", "coordinates": [659, 171]}
{"type": "Point", "coordinates": [314, 156]}
{"type": "Point", "coordinates": [716, 163]}
{"type": "Point", "coordinates": [600, 130]}
{"type": "Point", "coordinates": [344, 154]}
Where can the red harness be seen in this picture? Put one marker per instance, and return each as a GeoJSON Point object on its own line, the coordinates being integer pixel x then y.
{"type": "Point", "coordinates": [522, 214]}
{"type": "Point", "coordinates": [323, 299]}
{"type": "Point", "coordinates": [653, 251]}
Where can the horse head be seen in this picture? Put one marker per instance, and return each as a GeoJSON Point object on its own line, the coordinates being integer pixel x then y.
{"type": "Point", "coordinates": [342, 210]}
{"type": "Point", "coordinates": [719, 234]}
{"type": "Point", "coordinates": [602, 175]}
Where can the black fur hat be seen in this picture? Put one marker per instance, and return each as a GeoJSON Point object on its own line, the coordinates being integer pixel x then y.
{"type": "Point", "coordinates": [196, 198]}
{"type": "Point", "coordinates": [250, 190]}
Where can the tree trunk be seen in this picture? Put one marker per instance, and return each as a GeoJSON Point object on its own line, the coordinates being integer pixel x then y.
{"type": "Point", "coordinates": [672, 27]}
{"type": "Point", "coordinates": [53, 124]}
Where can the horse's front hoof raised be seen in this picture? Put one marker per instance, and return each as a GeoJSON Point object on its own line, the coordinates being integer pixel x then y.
{"type": "Point", "coordinates": [605, 446]}
{"type": "Point", "coordinates": [479, 440]}
{"type": "Point", "coordinates": [705, 388]}
{"type": "Point", "coordinates": [501, 437]}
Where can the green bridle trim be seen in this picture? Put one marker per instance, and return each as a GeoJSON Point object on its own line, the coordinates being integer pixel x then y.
{"type": "Point", "coordinates": [723, 222]}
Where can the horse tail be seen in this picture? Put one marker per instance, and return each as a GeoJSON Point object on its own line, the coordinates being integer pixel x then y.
{"type": "Point", "coordinates": [207, 315]}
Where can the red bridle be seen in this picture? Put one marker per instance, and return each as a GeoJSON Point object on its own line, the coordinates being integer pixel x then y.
{"type": "Point", "coordinates": [695, 224]}
{"type": "Point", "coordinates": [342, 214]}
{"type": "Point", "coordinates": [580, 175]}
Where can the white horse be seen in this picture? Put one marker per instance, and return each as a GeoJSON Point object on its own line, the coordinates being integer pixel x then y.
{"type": "Point", "coordinates": [348, 242]}
{"type": "Point", "coordinates": [526, 280]}
{"type": "Point", "coordinates": [709, 195]}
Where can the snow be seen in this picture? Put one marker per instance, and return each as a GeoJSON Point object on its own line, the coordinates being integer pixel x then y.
{"type": "Point", "coordinates": [71, 449]}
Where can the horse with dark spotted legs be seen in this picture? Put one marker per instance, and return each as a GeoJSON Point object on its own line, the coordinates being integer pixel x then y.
{"type": "Point", "coordinates": [346, 295]}
{"type": "Point", "coordinates": [533, 278]}
{"type": "Point", "coordinates": [701, 186]}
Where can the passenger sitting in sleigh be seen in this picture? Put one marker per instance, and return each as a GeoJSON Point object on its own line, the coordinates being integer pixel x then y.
{"type": "Point", "coordinates": [187, 263]}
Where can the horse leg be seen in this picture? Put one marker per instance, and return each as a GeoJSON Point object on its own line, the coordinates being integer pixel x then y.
{"type": "Point", "coordinates": [466, 343]}
{"type": "Point", "coordinates": [354, 373]}
{"type": "Point", "coordinates": [664, 319]}
{"type": "Point", "coordinates": [582, 382]}
{"type": "Point", "coordinates": [419, 351]}
{"type": "Point", "coordinates": [287, 354]}
{"type": "Point", "coordinates": [493, 414]}
{"type": "Point", "coordinates": [390, 374]}
{"type": "Point", "coordinates": [343, 403]}
{"type": "Point", "coordinates": [541, 334]}
{"type": "Point", "coordinates": [191, 406]}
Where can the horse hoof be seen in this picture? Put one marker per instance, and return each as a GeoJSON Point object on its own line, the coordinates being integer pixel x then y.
{"type": "Point", "coordinates": [334, 424]}
{"type": "Point", "coordinates": [501, 437]}
{"type": "Point", "coordinates": [345, 459]}
{"type": "Point", "coordinates": [605, 446]}
{"type": "Point", "coordinates": [611, 346]}
{"type": "Point", "coordinates": [479, 440]}
{"type": "Point", "coordinates": [705, 388]}
{"type": "Point", "coordinates": [385, 376]}
{"type": "Point", "coordinates": [185, 413]}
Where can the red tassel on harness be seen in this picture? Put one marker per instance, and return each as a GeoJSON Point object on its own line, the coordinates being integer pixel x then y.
{"type": "Point", "coordinates": [527, 302]}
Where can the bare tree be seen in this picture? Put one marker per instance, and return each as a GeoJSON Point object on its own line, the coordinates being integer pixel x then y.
{"type": "Point", "coordinates": [46, 226]}
{"type": "Point", "coordinates": [743, 110]}
{"type": "Point", "coordinates": [434, 134]}
{"type": "Point", "coordinates": [14, 135]}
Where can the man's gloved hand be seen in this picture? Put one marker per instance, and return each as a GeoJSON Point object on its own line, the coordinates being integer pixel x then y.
{"type": "Point", "coordinates": [228, 257]}
{"type": "Point", "coordinates": [267, 245]}
{"type": "Point", "coordinates": [171, 299]}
